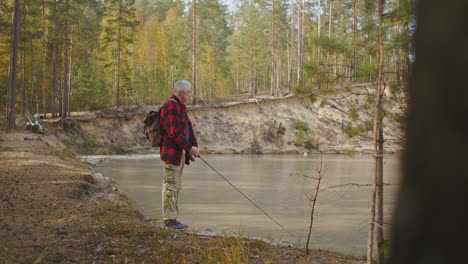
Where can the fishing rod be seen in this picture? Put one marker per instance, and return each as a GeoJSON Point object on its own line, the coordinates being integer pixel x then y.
{"type": "Point", "coordinates": [265, 213]}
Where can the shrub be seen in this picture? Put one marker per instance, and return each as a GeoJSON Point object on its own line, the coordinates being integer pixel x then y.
{"type": "Point", "coordinates": [299, 140]}
{"type": "Point", "coordinates": [300, 125]}
{"type": "Point", "coordinates": [353, 113]}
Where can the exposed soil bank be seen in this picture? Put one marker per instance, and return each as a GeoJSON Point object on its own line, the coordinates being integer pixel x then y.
{"type": "Point", "coordinates": [264, 125]}
{"type": "Point", "coordinates": [55, 209]}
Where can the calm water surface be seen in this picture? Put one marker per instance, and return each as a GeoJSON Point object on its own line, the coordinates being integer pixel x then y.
{"type": "Point", "coordinates": [279, 184]}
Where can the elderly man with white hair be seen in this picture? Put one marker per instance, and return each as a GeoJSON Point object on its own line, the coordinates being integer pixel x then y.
{"type": "Point", "coordinates": [179, 145]}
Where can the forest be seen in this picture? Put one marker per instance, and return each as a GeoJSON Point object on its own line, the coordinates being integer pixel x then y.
{"type": "Point", "coordinates": [93, 54]}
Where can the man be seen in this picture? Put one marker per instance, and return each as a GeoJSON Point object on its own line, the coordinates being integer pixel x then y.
{"type": "Point", "coordinates": [178, 146]}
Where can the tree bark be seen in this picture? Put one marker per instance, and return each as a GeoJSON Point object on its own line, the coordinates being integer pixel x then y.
{"type": "Point", "coordinates": [430, 221]}
{"type": "Point", "coordinates": [119, 40]}
{"type": "Point", "coordinates": [44, 60]}
{"type": "Point", "coordinates": [23, 83]}
{"type": "Point", "coordinates": [370, 237]}
{"type": "Point", "coordinates": [353, 62]}
{"type": "Point", "coordinates": [12, 80]}
{"type": "Point", "coordinates": [300, 44]}
{"type": "Point", "coordinates": [378, 153]}
{"type": "Point", "coordinates": [54, 65]}
{"type": "Point", "coordinates": [70, 76]}
{"type": "Point", "coordinates": [319, 26]}
{"type": "Point", "coordinates": [194, 51]}
{"type": "Point", "coordinates": [290, 38]}
{"type": "Point", "coordinates": [35, 88]}
{"type": "Point", "coordinates": [65, 70]}
{"type": "Point", "coordinates": [273, 73]}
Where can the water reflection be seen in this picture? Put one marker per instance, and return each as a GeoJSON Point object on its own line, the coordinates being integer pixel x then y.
{"type": "Point", "coordinates": [277, 184]}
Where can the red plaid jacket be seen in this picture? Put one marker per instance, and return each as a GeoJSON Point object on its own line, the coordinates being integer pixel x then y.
{"type": "Point", "coordinates": [174, 119]}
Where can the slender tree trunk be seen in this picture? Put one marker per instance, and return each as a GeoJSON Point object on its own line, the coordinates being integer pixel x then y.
{"type": "Point", "coordinates": [44, 61]}
{"type": "Point", "coordinates": [70, 75]}
{"type": "Point", "coordinates": [65, 71]}
{"type": "Point", "coordinates": [35, 87]}
{"type": "Point", "coordinates": [379, 140]}
{"type": "Point", "coordinates": [255, 74]}
{"type": "Point", "coordinates": [330, 5]}
{"type": "Point", "coordinates": [12, 80]}
{"type": "Point", "coordinates": [279, 70]}
{"type": "Point", "coordinates": [300, 43]}
{"type": "Point", "coordinates": [23, 83]}
{"type": "Point", "coordinates": [353, 63]}
{"type": "Point", "coordinates": [319, 26]}
{"type": "Point", "coordinates": [378, 148]}
{"type": "Point", "coordinates": [119, 36]}
{"type": "Point", "coordinates": [237, 78]}
{"type": "Point", "coordinates": [290, 38]}
{"type": "Point", "coordinates": [54, 65]}
{"type": "Point", "coordinates": [330, 17]}
{"type": "Point", "coordinates": [194, 51]}
{"type": "Point", "coordinates": [60, 85]}
{"type": "Point", "coordinates": [251, 73]}
{"type": "Point", "coordinates": [273, 73]}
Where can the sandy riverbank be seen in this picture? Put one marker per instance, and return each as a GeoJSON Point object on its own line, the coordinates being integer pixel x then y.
{"type": "Point", "coordinates": [55, 209]}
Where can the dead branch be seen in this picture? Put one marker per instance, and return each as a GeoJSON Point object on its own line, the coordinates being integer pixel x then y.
{"type": "Point", "coordinates": [320, 171]}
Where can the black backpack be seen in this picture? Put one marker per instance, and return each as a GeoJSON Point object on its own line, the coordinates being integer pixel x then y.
{"type": "Point", "coordinates": [153, 129]}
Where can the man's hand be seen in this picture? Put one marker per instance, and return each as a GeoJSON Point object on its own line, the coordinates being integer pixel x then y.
{"type": "Point", "coordinates": [194, 151]}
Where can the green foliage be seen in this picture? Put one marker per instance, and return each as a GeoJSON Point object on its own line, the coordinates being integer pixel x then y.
{"type": "Point", "coordinates": [335, 45]}
{"type": "Point", "coordinates": [367, 69]}
{"type": "Point", "coordinates": [153, 41]}
{"type": "Point", "coordinates": [90, 92]}
{"type": "Point", "coordinates": [301, 125]}
{"type": "Point", "coordinates": [302, 138]}
{"type": "Point", "coordinates": [119, 34]}
{"type": "Point", "coordinates": [299, 140]}
{"type": "Point", "coordinates": [310, 143]}
{"type": "Point", "coordinates": [362, 128]}
{"type": "Point", "coordinates": [353, 114]}
{"type": "Point", "coordinates": [161, 7]}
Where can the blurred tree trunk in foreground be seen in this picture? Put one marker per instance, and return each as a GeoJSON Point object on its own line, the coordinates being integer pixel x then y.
{"type": "Point", "coordinates": [431, 219]}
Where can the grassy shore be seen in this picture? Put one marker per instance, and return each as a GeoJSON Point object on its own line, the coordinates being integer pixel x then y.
{"type": "Point", "coordinates": [55, 209]}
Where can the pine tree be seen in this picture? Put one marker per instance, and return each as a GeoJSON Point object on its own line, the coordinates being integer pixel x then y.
{"type": "Point", "coordinates": [11, 107]}
{"type": "Point", "coordinates": [120, 28]}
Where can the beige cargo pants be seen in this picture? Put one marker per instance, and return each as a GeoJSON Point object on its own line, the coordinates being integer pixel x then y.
{"type": "Point", "coordinates": [172, 184]}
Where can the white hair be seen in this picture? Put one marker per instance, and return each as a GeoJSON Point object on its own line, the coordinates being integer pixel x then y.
{"type": "Point", "coordinates": [181, 86]}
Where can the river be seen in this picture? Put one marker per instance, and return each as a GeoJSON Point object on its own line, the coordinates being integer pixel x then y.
{"type": "Point", "coordinates": [279, 184]}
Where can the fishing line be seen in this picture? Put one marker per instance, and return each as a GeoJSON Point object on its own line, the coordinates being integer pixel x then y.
{"type": "Point", "coordinates": [265, 213]}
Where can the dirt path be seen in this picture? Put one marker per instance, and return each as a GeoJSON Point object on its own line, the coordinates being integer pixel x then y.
{"type": "Point", "coordinates": [55, 209]}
